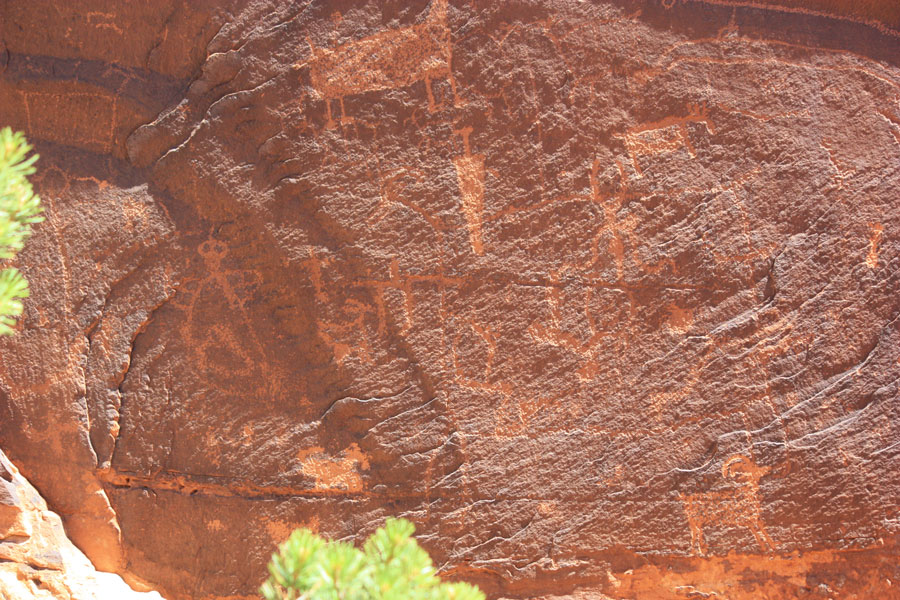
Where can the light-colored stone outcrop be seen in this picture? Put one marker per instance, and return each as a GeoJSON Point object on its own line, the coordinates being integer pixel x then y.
{"type": "Point", "coordinates": [37, 560]}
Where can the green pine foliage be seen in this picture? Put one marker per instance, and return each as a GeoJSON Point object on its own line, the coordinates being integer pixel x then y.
{"type": "Point", "coordinates": [19, 208]}
{"type": "Point", "coordinates": [391, 566]}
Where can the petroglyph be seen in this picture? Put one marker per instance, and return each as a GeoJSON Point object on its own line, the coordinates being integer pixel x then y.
{"type": "Point", "coordinates": [609, 243]}
{"type": "Point", "coordinates": [470, 177]}
{"type": "Point", "coordinates": [893, 121]}
{"type": "Point", "coordinates": [520, 416]}
{"type": "Point", "coordinates": [279, 530]}
{"type": "Point", "coordinates": [59, 122]}
{"type": "Point", "coordinates": [389, 59]}
{"type": "Point", "coordinates": [679, 319]}
{"type": "Point", "coordinates": [391, 198]}
{"type": "Point", "coordinates": [664, 136]}
{"type": "Point", "coordinates": [840, 175]}
{"type": "Point", "coordinates": [355, 326]}
{"type": "Point", "coordinates": [622, 307]}
{"type": "Point", "coordinates": [347, 337]}
{"type": "Point", "coordinates": [554, 334]}
{"type": "Point", "coordinates": [675, 393]}
{"type": "Point", "coordinates": [486, 338]}
{"type": "Point", "coordinates": [612, 225]}
{"type": "Point", "coordinates": [876, 231]}
{"type": "Point", "coordinates": [226, 353]}
{"type": "Point", "coordinates": [332, 472]}
{"type": "Point", "coordinates": [514, 417]}
{"type": "Point", "coordinates": [104, 21]}
{"type": "Point", "coordinates": [396, 282]}
{"type": "Point", "coordinates": [738, 505]}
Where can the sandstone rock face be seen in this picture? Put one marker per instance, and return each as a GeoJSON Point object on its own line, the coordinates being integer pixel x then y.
{"type": "Point", "coordinates": [602, 295]}
{"type": "Point", "coordinates": [36, 558]}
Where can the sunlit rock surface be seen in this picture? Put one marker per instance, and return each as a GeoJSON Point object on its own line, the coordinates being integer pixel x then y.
{"type": "Point", "coordinates": [602, 295]}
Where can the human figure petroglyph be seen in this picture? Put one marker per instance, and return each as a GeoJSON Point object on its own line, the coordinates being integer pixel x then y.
{"type": "Point", "coordinates": [470, 175]}
{"type": "Point", "coordinates": [389, 59]}
{"type": "Point", "coordinates": [613, 226]}
{"type": "Point", "coordinates": [225, 353]}
{"type": "Point", "coordinates": [738, 505]}
{"type": "Point", "coordinates": [609, 240]}
{"type": "Point", "coordinates": [351, 326]}
{"type": "Point", "coordinates": [667, 135]}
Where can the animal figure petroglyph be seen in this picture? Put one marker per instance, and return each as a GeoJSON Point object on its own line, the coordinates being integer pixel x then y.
{"type": "Point", "coordinates": [668, 135]}
{"type": "Point", "coordinates": [334, 473]}
{"type": "Point", "coordinates": [735, 506]}
{"type": "Point", "coordinates": [389, 59]}
{"type": "Point", "coordinates": [59, 123]}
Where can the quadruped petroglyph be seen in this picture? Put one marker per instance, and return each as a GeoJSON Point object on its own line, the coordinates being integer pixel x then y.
{"type": "Point", "coordinates": [738, 505]}
{"type": "Point", "coordinates": [667, 135]}
{"type": "Point", "coordinates": [334, 473]}
{"type": "Point", "coordinates": [389, 59]}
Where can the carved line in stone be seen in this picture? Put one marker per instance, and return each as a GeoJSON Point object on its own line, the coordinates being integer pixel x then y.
{"type": "Point", "coordinates": [481, 381]}
{"type": "Point", "coordinates": [875, 235]}
{"type": "Point", "coordinates": [470, 177]}
{"type": "Point", "coordinates": [802, 10]}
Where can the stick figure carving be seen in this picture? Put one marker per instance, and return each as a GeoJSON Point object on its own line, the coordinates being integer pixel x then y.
{"type": "Point", "coordinates": [738, 505]}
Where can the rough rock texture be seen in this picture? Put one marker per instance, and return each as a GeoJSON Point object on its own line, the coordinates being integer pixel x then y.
{"type": "Point", "coordinates": [602, 295]}
{"type": "Point", "coordinates": [37, 560]}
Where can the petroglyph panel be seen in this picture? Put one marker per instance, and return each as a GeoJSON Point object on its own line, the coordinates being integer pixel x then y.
{"type": "Point", "coordinates": [585, 290]}
{"type": "Point", "coordinates": [666, 135]}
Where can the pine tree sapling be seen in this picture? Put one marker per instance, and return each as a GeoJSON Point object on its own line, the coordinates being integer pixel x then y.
{"type": "Point", "coordinates": [391, 566]}
{"type": "Point", "coordinates": [19, 208]}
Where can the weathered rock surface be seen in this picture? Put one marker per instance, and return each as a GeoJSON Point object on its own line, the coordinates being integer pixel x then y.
{"type": "Point", "coordinates": [602, 295]}
{"type": "Point", "coordinates": [37, 560]}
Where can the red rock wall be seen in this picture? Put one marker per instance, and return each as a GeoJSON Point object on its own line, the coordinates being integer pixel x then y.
{"type": "Point", "coordinates": [602, 295]}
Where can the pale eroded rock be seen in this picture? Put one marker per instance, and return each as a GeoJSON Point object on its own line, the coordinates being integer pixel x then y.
{"type": "Point", "coordinates": [37, 560]}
